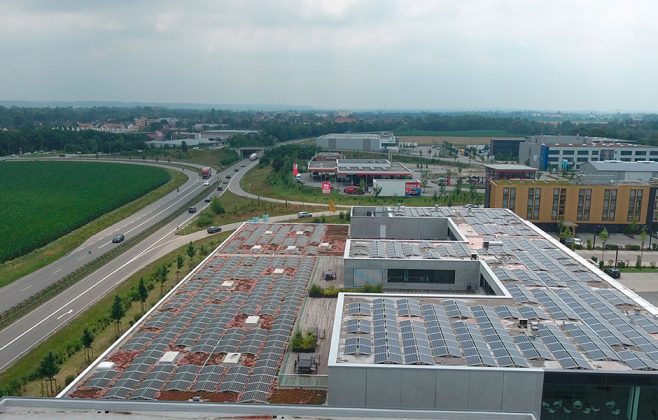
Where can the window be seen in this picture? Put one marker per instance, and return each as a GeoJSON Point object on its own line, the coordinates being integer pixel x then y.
{"type": "Point", "coordinates": [595, 152]}
{"type": "Point", "coordinates": [553, 152]}
{"type": "Point", "coordinates": [534, 200]}
{"type": "Point", "coordinates": [609, 205]}
{"type": "Point", "coordinates": [640, 153]}
{"type": "Point", "coordinates": [625, 159]}
{"type": "Point", "coordinates": [582, 159]}
{"type": "Point", "coordinates": [509, 198]}
{"type": "Point", "coordinates": [634, 205]}
{"type": "Point", "coordinates": [553, 159]}
{"type": "Point", "coordinates": [568, 152]}
{"type": "Point", "coordinates": [584, 204]}
{"type": "Point", "coordinates": [654, 153]}
{"type": "Point", "coordinates": [626, 152]}
{"type": "Point", "coordinates": [583, 152]}
{"type": "Point", "coordinates": [421, 276]}
{"type": "Point", "coordinates": [559, 202]}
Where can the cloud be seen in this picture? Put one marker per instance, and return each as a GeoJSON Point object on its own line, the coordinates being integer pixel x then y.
{"type": "Point", "coordinates": [348, 54]}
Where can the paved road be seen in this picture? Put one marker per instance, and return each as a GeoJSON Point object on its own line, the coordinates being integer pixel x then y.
{"type": "Point", "coordinates": [36, 326]}
{"type": "Point", "coordinates": [100, 243]}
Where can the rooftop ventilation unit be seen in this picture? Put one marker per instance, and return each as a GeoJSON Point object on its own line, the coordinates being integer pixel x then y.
{"type": "Point", "coordinates": [169, 357]}
{"type": "Point", "coordinates": [232, 358]}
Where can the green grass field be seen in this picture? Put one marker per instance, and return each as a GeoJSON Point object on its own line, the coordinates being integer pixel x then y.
{"type": "Point", "coordinates": [42, 201]}
{"type": "Point", "coordinates": [459, 133]}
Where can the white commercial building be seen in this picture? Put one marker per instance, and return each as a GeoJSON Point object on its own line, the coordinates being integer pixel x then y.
{"type": "Point", "coordinates": [368, 142]}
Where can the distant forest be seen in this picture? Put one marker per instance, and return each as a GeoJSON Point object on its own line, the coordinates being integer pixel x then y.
{"type": "Point", "coordinates": [31, 129]}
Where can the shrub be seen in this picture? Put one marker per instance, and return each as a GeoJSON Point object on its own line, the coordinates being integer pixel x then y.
{"type": "Point", "coordinates": [621, 264]}
{"type": "Point", "coordinates": [589, 244]}
{"type": "Point", "coordinates": [601, 264]}
{"type": "Point", "coordinates": [316, 291]}
{"type": "Point", "coordinates": [204, 220]}
{"type": "Point", "coordinates": [373, 288]}
{"type": "Point", "coordinates": [638, 262]}
{"type": "Point", "coordinates": [610, 247]}
{"type": "Point", "coordinates": [594, 258]}
{"type": "Point", "coordinates": [652, 264]}
{"type": "Point", "coordinates": [632, 247]}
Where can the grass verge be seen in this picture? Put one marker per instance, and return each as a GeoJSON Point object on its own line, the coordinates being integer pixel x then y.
{"type": "Point", "coordinates": [256, 182]}
{"type": "Point", "coordinates": [32, 261]}
{"type": "Point", "coordinates": [237, 209]}
{"type": "Point", "coordinates": [20, 379]}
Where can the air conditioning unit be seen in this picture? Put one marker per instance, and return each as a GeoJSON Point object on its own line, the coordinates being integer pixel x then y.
{"type": "Point", "coordinates": [523, 323]}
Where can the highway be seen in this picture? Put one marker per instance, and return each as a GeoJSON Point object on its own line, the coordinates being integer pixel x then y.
{"type": "Point", "coordinates": [28, 331]}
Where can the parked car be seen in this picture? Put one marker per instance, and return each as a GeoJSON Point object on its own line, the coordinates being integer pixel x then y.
{"type": "Point", "coordinates": [118, 238]}
{"type": "Point", "coordinates": [352, 189]}
{"type": "Point", "coordinates": [214, 229]}
{"type": "Point", "coordinates": [573, 241]}
{"type": "Point", "coordinates": [208, 199]}
{"type": "Point", "coordinates": [191, 210]}
{"type": "Point", "coordinates": [303, 214]}
{"type": "Point", "coordinates": [613, 272]}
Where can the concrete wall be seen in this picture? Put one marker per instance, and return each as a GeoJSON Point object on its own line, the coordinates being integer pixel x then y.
{"type": "Point", "coordinates": [412, 387]}
{"type": "Point", "coordinates": [467, 273]}
{"type": "Point", "coordinates": [399, 228]}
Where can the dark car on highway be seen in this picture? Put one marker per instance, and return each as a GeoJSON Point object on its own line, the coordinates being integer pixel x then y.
{"type": "Point", "coordinates": [613, 272]}
{"type": "Point", "coordinates": [191, 210]}
{"type": "Point", "coordinates": [220, 189]}
{"type": "Point", "coordinates": [214, 229]}
{"type": "Point", "coordinates": [228, 176]}
{"type": "Point", "coordinates": [118, 238]}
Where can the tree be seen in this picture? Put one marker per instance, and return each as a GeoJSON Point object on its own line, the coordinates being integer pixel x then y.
{"type": "Point", "coordinates": [180, 260]}
{"type": "Point", "coordinates": [191, 251]}
{"type": "Point", "coordinates": [48, 368]}
{"type": "Point", "coordinates": [183, 146]}
{"type": "Point", "coordinates": [604, 239]}
{"type": "Point", "coordinates": [142, 292]}
{"type": "Point", "coordinates": [87, 340]}
{"type": "Point", "coordinates": [217, 206]}
{"type": "Point", "coordinates": [643, 239]}
{"type": "Point", "coordinates": [161, 274]}
{"type": "Point", "coordinates": [117, 312]}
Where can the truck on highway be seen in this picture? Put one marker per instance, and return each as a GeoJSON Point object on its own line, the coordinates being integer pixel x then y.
{"type": "Point", "coordinates": [206, 173]}
{"type": "Point", "coordinates": [253, 157]}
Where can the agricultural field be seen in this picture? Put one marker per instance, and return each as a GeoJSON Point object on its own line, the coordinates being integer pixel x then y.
{"type": "Point", "coordinates": [42, 201]}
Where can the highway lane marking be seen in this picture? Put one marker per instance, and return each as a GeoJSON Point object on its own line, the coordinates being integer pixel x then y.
{"type": "Point", "coordinates": [27, 287]}
{"type": "Point", "coordinates": [105, 244]}
{"type": "Point", "coordinates": [83, 293]}
{"type": "Point", "coordinates": [64, 314]}
{"type": "Point", "coordinates": [157, 214]}
{"type": "Point", "coordinates": [58, 270]}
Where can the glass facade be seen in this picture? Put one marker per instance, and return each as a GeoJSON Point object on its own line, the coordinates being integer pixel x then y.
{"type": "Point", "coordinates": [509, 198]}
{"type": "Point", "coordinates": [584, 204]}
{"type": "Point", "coordinates": [559, 202]}
{"type": "Point", "coordinates": [534, 201]}
{"type": "Point", "coordinates": [634, 205]}
{"type": "Point", "coordinates": [421, 276]}
{"type": "Point", "coordinates": [609, 205]}
{"type": "Point", "coordinates": [599, 396]}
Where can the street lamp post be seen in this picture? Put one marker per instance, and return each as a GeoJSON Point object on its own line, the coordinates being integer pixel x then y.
{"type": "Point", "coordinates": [616, 254]}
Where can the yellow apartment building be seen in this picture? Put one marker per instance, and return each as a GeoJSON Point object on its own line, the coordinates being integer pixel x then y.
{"type": "Point", "coordinates": [590, 206]}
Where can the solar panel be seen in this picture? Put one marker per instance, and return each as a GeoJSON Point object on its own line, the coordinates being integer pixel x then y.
{"type": "Point", "coordinates": [533, 348]}
{"type": "Point", "coordinates": [587, 339]}
{"type": "Point", "coordinates": [358, 346]}
{"type": "Point", "coordinates": [358, 326]}
{"type": "Point", "coordinates": [565, 352]}
{"type": "Point", "coordinates": [416, 344]}
{"type": "Point", "coordinates": [474, 347]}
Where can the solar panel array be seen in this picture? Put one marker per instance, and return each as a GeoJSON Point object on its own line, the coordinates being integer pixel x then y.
{"type": "Point", "coordinates": [201, 320]}
{"type": "Point", "coordinates": [286, 239]}
{"type": "Point", "coordinates": [408, 250]}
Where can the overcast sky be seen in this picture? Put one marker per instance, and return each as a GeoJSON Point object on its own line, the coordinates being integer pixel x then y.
{"type": "Point", "coordinates": [462, 54]}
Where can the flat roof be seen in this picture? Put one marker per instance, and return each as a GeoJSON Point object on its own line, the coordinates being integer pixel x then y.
{"type": "Point", "coordinates": [359, 167]}
{"type": "Point", "coordinates": [510, 167]}
{"type": "Point", "coordinates": [619, 166]}
{"type": "Point", "coordinates": [563, 314]}
{"type": "Point", "coordinates": [203, 338]}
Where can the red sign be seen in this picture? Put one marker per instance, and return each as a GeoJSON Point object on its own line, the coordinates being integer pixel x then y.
{"type": "Point", "coordinates": [295, 171]}
{"type": "Point", "coordinates": [326, 187]}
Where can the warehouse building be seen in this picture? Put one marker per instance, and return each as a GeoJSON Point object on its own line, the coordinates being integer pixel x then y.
{"type": "Point", "coordinates": [555, 337]}
{"type": "Point", "coordinates": [555, 152]}
{"type": "Point", "coordinates": [367, 142]}
{"type": "Point", "coordinates": [616, 170]}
